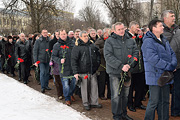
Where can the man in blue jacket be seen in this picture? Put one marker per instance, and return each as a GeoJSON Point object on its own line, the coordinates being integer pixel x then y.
{"type": "Point", "coordinates": [158, 57]}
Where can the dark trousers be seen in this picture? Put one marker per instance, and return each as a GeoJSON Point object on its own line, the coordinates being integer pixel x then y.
{"type": "Point", "coordinates": [19, 72]}
{"type": "Point", "coordinates": [58, 84]}
{"type": "Point", "coordinates": [103, 79]}
{"type": "Point", "coordinates": [2, 63]}
{"type": "Point", "coordinates": [137, 84]}
{"type": "Point", "coordinates": [24, 71]}
{"type": "Point", "coordinates": [175, 102]}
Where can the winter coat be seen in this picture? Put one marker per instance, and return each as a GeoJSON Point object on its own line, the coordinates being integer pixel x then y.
{"type": "Point", "coordinates": [139, 68]}
{"type": "Point", "coordinates": [91, 39]}
{"type": "Point", "coordinates": [57, 55]}
{"type": "Point", "coordinates": [173, 36]}
{"type": "Point", "coordinates": [116, 50]}
{"type": "Point", "coordinates": [158, 57]}
{"type": "Point", "coordinates": [23, 50]}
{"type": "Point", "coordinates": [52, 42]}
{"type": "Point", "coordinates": [100, 44]}
{"type": "Point", "coordinates": [39, 50]}
{"type": "Point", "coordinates": [85, 58]}
{"type": "Point", "coordinates": [2, 47]}
{"type": "Point", "coordinates": [10, 50]}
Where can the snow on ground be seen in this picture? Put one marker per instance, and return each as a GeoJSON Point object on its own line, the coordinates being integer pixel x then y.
{"type": "Point", "coordinates": [20, 102]}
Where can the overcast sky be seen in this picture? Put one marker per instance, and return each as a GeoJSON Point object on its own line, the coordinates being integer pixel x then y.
{"type": "Point", "coordinates": [79, 4]}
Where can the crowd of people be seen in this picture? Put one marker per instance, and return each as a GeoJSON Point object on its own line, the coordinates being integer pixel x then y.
{"type": "Point", "coordinates": [127, 59]}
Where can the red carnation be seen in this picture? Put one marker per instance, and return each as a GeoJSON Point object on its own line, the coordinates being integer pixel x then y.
{"type": "Point", "coordinates": [134, 37]}
{"type": "Point", "coordinates": [51, 50]}
{"type": "Point", "coordinates": [47, 50]}
{"type": "Point", "coordinates": [135, 59]}
{"type": "Point", "coordinates": [140, 36]}
{"type": "Point", "coordinates": [129, 56]}
{"type": "Point", "coordinates": [85, 77]}
{"type": "Point", "coordinates": [21, 60]}
{"type": "Point", "coordinates": [62, 47]}
{"type": "Point", "coordinates": [67, 47]}
{"type": "Point", "coordinates": [38, 62]}
{"type": "Point", "coordinates": [9, 56]}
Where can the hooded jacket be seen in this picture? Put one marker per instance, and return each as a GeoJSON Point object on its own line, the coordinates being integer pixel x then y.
{"type": "Point", "coordinates": [158, 57]}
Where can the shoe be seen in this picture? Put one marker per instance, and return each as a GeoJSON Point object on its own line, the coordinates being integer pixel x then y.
{"type": "Point", "coordinates": [60, 97]}
{"type": "Point", "coordinates": [48, 88]}
{"type": "Point", "coordinates": [87, 108]}
{"type": "Point", "coordinates": [141, 107]}
{"type": "Point", "coordinates": [126, 117]}
{"type": "Point", "coordinates": [39, 83]}
{"type": "Point", "coordinates": [25, 82]}
{"type": "Point", "coordinates": [73, 99]}
{"type": "Point", "coordinates": [131, 108]}
{"type": "Point", "coordinates": [96, 106]}
{"type": "Point", "coordinates": [19, 79]}
{"type": "Point", "coordinates": [68, 103]}
{"type": "Point", "coordinates": [103, 98]}
{"type": "Point", "coordinates": [43, 90]}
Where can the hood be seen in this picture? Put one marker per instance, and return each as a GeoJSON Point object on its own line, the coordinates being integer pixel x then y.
{"type": "Point", "coordinates": [150, 35]}
{"type": "Point", "coordinates": [172, 28]}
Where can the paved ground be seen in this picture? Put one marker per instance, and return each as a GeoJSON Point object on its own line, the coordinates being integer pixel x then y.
{"type": "Point", "coordinates": [95, 114]}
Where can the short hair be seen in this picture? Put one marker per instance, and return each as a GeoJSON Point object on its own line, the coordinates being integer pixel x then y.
{"type": "Point", "coordinates": [77, 30]}
{"type": "Point", "coordinates": [89, 28]}
{"type": "Point", "coordinates": [70, 32]}
{"type": "Point", "coordinates": [44, 29]}
{"type": "Point", "coordinates": [117, 23]}
{"type": "Point", "coordinates": [92, 30]}
{"type": "Point", "coordinates": [82, 32]}
{"type": "Point", "coordinates": [153, 23]}
{"type": "Point", "coordinates": [165, 13]}
{"type": "Point", "coordinates": [133, 23]}
{"type": "Point", "coordinates": [144, 28]}
{"type": "Point", "coordinates": [108, 30]}
{"type": "Point", "coordinates": [21, 34]}
{"type": "Point", "coordinates": [112, 27]}
{"type": "Point", "coordinates": [99, 29]}
{"type": "Point", "coordinates": [61, 30]}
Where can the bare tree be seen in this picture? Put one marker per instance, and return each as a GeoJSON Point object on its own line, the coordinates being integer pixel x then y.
{"type": "Point", "coordinates": [123, 10]}
{"type": "Point", "coordinates": [91, 14]}
{"type": "Point", "coordinates": [38, 10]}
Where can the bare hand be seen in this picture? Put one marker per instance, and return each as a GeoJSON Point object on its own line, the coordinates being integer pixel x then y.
{"type": "Point", "coordinates": [62, 61]}
{"type": "Point", "coordinates": [174, 70]}
{"type": "Point", "coordinates": [126, 68]}
{"type": "Point", "coordinates": [76, 76]}
{"type": "Point", "coordinates": [35, 64]}
{"type": "Point", "coordinates": [18, 62]}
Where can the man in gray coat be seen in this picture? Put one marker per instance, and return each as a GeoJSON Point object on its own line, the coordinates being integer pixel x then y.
{"type": "Point", "coordinates": [172, 32]}
{"type": "Point", "coordinates": [116, 50]}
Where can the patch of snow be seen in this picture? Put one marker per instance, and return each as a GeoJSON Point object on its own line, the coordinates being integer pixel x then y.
{"type": "Point", "coordinates": [20, 102]}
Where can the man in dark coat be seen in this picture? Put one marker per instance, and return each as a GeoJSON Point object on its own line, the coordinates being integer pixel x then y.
{"type": "Point", "coordinates": [116, 50]}
{"type": "Point", "coordinates": [103, 77]}
{"type": "Point", "coordinates": [41, 53]}
{"type": "Point", "coordinates": [85, 60]}
{"type": "Point", "coordinates": [23, 51]}
{"type": "Point", "coordinates": [172, 32]}
{"type": "Point", "coordinates": [138, 76]}
{"type": "Point", "coordinates": [2, 53]}
{"type": "Point", "coordinates": [62, 55]}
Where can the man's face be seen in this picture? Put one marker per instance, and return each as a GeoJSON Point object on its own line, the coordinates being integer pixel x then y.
{"type": "Point", "coordinates": [119, 30]}
{"type": "Point", "coordinates": [76, 35]}
{"type": "Point", "coordinates": [84, 37]}
{"type": "Point", "coordinates": [99, 32]}
{"type": "Point", "coordinates": [10, 40]}
{"type": "Point", "coordinates": [158, 29]}
{"type": "Point", "coordinates": [57, 35]}
{"type": "Point", "coordinates": [44, 33]}
{"type": "Point", "coordinates": [22, 36]}
{"type": "Point", "coordinates": [135, 28]}
{"type": "Point", "coordinates": [93, 34]}
{"type": "Point", "coordinates": [63, 35]}
{"type": "Point", "coordinates": [170, 19]}
{"type": "Point", "coordinates": [71, 35]}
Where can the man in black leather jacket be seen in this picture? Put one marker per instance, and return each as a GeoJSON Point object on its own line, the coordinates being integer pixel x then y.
{"type": "Point", "coordinates": [23, 51]}
{"type": "Point", "coordinates": [85, 60]}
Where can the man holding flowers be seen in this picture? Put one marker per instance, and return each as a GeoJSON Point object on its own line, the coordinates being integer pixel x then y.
{"type": "Point", "coordinates": [116, 50]}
